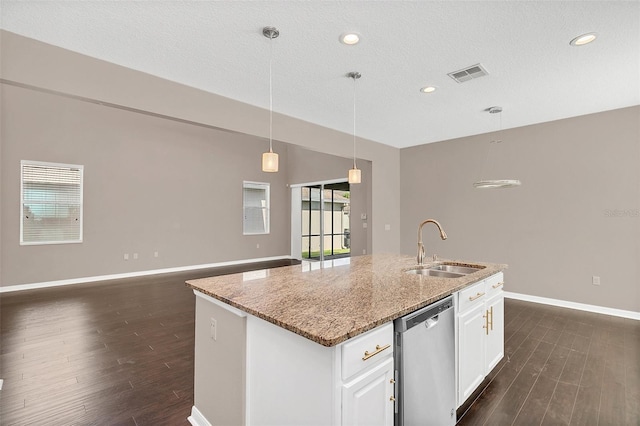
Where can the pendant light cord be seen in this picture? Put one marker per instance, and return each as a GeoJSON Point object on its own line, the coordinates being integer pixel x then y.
{"type": "Point", "coordinates": [270, 95]}
{"type": "Point", "coordinates": [354, 122]}
{"type": "Point", "coordinates": [491, 143]}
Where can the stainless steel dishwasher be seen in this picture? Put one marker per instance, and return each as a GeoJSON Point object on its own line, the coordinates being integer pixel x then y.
{"type": "Point", "coordinates": [425, 366]}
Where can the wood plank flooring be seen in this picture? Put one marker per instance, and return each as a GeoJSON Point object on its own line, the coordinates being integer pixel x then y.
{"type": "Point", "coordinates": [121, 353]}
{"type": "Point", "coordinates": [112, 353]}
{"type": "Point", "coordinates": [562, 367]}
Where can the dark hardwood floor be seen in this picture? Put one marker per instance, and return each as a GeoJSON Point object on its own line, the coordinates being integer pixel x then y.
{"type": "Point", "coordinates": [121, 353]}
{"type": "Point", "coordinates": [561, 367]}
{"type": "Point", "coordinates": [112, 353]}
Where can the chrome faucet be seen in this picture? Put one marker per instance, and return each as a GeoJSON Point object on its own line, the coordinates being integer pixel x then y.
{"type": "Point", "coordinates": [421, 251]}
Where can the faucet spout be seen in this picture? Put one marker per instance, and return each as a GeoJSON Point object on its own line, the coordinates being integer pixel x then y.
{"type": "Point", "coordinates": [421, 249]}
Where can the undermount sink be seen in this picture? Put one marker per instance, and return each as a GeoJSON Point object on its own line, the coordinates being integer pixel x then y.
{"type": "Point", "coordinates": [445, 270]}
{"type": "Point", "coordinates": [458, 269]}
{"type": "Point", "coordinates": [434, 273]}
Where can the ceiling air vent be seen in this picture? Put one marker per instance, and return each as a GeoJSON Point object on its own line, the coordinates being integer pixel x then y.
{"type": "Point", "coordinates": [469, 73]}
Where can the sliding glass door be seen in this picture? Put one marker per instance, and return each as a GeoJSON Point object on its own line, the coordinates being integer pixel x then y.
{"type": "Point", "coordinates": [325, 213]}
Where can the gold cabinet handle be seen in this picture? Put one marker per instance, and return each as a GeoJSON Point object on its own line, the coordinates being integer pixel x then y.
{"type": "Point", "coordinates": [488, 325]}
{"type": "Point", "coordinates": [472, 298]}
{"type": "Point", "coordinates": [490, 312]}
{"type": "Point", "coordinates": [497, 285]}
{"type": "Point", "coordinates": [392, 398]}
{"type": "Point", "coordinates": [392, 381]}
{"type": "Point", "coordinates": [379, 349]}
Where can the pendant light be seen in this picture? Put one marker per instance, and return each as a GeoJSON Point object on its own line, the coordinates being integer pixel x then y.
{"type": "Point", "coordinates": [355, 176]}
{"type": "Point", "coordinates": [495, 183]}
{"type": "Point", "coordinates": [270, 159]}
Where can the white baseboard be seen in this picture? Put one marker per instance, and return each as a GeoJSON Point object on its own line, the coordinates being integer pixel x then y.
{"type": "Point", "coordinates": [20, 287]}
{"type": "Point", "coordinates": [574, 305]}
{"type": "Point", "coordinates": [196, 418]}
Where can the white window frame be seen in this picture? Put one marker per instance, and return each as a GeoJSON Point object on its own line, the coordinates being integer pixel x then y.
{"type": "Point", "coordinates": [265, 209]}
{"type": "Point", "coordinates": [80, 168]}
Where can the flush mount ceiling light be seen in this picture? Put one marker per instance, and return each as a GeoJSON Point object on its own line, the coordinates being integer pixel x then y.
{"type": "Point", "coordinates": [355, 176]}
{"type": "Point", "coordinates": [270, 159]}
{"type": "Point", "coordinates": [495, 183]}
{"type": "Point", "coordinates": [350, 38]}
{"type": "Point", "coordinates": [428, 89]}
{"type": "Point", "coordinates": [583, 39]}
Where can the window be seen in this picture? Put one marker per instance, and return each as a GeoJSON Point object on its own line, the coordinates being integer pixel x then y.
{"type": "Point", "coordinates": [255, 208]}
{"type": "Point", "coordinates": [51, 203]}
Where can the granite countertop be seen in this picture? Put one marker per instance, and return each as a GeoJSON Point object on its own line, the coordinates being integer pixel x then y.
{"type": "Point", "coordinates": [332, 301]}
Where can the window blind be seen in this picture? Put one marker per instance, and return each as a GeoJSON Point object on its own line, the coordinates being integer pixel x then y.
{"type": "Point", "coordinates": [255, 208]}
{"type": "Point", "coordinates": [51, 207]}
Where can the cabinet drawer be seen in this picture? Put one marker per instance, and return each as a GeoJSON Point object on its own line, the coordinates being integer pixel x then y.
{"type": "Point", "coordinates": [471, 296]}
{"type": "Point", "coordinates": [494, 284]}
{"type": "Point", "coordinates": [366, 350]}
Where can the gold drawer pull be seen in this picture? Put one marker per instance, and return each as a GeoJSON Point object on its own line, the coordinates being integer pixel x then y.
{"type": "Point", "coordinates": [477, 296]}
{"type": "Point", "coordinates": [497, 285]}
{"type": "Point", "coordinates": [379, 349]}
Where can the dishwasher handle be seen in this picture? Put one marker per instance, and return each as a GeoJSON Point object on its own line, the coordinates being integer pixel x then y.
{"type": "Point", "coordinates": [432, 322]}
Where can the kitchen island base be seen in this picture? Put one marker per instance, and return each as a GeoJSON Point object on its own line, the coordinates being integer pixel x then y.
{"type": "Point", "coordinates": [249, 371]}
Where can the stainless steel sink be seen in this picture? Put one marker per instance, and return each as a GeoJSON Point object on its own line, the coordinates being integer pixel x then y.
{"type": "Point", "coordinates": [434, 273]}
{"type": "Point", "coordinates": [445, 270]}
{"type": "Point", "coordinates": [458, 269]}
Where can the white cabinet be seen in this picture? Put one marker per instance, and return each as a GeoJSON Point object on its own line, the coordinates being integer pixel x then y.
{"type": "Point", "coordinates": [495, 337]}
{"type": "Point", "coordinates": [368, 399]}
{"type": "Point", "coordinates": [368, 378]}
{"type": "Point", "coordinates": [471, 351]}
{"type": "Point", "coordinates": [480, 333]}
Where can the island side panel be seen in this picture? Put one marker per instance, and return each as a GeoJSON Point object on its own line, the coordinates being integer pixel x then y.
{"type": "Point", "coordinates": [291, 380]}
{"type": "Point", "coordinates": [219, 382]}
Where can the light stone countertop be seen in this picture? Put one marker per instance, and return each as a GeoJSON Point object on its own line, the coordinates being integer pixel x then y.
{"type": "Point", "coordinates": [332, 301]}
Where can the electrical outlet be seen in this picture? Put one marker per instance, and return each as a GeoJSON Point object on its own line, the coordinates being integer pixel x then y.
{"type": "Point", "coordinates": [387, 227]}
{"type": "Point", "coordinates": [126, 256]}
{"type": "Point", "coordinates": [155, 254]}
{"type": "Point", "coordinates": [258, 245]}
{"type": "Point", "coordinates": [364, 251]}
{"type": "Point", "coordinates": [595, 280]}
{"type": "Point", "coordinates": [135, 256]}
{"type": "Point", "coordinates": [214, 329]}
{"type": "Point", "coordinates": [364, 224]}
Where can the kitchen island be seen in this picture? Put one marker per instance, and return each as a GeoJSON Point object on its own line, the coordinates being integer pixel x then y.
{"type": "Point", "coordinates": [276, 346]}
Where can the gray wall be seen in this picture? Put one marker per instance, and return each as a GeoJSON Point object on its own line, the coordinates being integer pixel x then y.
{"type": "Point", "coordinates": [151, 184]}
{"type": "Point", "coordinates": [27, 61]}
{"type": "Point", "coordinates": [576, 214]}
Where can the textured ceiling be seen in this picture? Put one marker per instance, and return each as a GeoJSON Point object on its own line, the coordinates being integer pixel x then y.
{"type": "Point", "coordinates": [217, 46]}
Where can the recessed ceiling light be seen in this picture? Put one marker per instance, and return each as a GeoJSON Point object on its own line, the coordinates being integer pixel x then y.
{"type": "Point", "coordinates": [350, 38]}
{"type": "Point", "coordinates": [428, 89]}
{"type": "Point", "coordinates": [583, 39]}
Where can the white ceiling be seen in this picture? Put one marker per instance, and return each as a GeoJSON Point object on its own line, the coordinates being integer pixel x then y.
{"type": "Point", "coordinates": [217, 46]}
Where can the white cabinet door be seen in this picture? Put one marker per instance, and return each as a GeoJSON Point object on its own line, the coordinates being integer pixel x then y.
{"type": "Point", "coordinates": [368, 399]}
{"type": "Point", "coordinates": [471, 351]}
{"type": "Point", "coordinates": [495, 338]}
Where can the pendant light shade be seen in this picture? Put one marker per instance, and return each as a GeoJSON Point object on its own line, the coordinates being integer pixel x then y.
{"type": "Point", "coordinates": [355, 176]}
{"type": "Point", "coordinates": [270, 162]}
{"type": "Point", "coordinates": [270, 159]}
{"type": "Point", "coordinates": [495, 183]}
